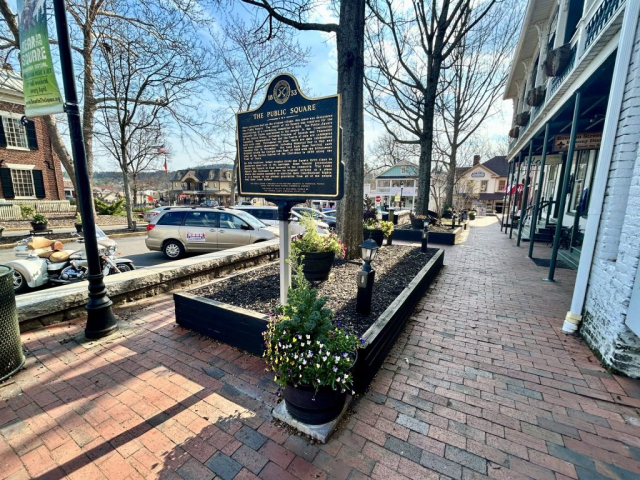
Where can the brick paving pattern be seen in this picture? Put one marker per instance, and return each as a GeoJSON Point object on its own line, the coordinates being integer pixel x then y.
{"type": "Point", "coordinates": [481, 384]}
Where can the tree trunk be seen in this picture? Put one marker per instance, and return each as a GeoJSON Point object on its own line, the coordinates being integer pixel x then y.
{"type": "Point", "coordinates": [135, 189]}
{"type": "Point", "coordinates": [128, 204]}
{"type": "Point", "coordinates": [451, 177]}
{"type": "Point", "coordinates": [350, 44]}
{"type": "Point", "coordinates": [89, 110]}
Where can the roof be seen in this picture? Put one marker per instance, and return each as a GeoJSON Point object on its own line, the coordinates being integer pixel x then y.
{"type": "Point", "coordinates": [11, 85]}
{"type": "Point", "coordinates": [498, 165]}
{"type": "Point", "coordinates": [201, 174]}
{"type": "Point", "coordinates": [396, 171]}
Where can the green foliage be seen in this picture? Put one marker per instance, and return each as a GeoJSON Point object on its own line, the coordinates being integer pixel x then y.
{"type": "Point", "coordinates": [387, 228]}
{"type": "Point", "coordinates": [369, 212]}
{"type": "Point", "coordinates": [38, 218]}
{"type": "Point", "coordinates": [103, 208]}
{"type": "Point", "coordinates": [304, 346]}
{"type": "Point", "coordinates": [311, 241]}
{"type": "Point", "coordinates": [27, 211]}
{"type": "Point", "coordinates": [78, 218]}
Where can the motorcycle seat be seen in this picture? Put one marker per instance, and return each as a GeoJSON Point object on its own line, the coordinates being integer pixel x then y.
{"type": "Point", "coordinates": [60, 256]}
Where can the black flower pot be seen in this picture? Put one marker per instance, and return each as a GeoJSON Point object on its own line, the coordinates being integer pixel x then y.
{"type": "Point", "coordinates": [78, 227]}
{"type": "Point", "coordinates": [317, 265]}
{"type": "Point", "coordinates": [390, 239]}
{"type": "Point", "coordinates": [375, 235]}
{"type": "Point", "coordinates": [472, 216]}
{"type": "Point", "coordinates": [417, 224]}
{"type": "Point", "coordinates": [39, 227]}
{"type": "Point", "coordinates": [313, 408]}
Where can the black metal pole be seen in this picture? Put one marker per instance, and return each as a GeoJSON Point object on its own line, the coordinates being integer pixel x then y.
{"type": "Point", "coordinates": [100, 319]}
{"type": "Point", "coordinates": [525, 193]}
{"type": "Point", "coordinates": [514, 208]}
{"type": "Point", "coordinates": [536, 205]}
{"type": "Point", "coordinates": [505, 209]}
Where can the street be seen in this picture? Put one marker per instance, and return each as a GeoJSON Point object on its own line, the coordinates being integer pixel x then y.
{"type": "Point", "coordinates": [131, 247]}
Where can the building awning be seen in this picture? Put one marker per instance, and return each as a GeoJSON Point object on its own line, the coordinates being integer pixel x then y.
{"type": "Point", "coordinates": [491, 196]}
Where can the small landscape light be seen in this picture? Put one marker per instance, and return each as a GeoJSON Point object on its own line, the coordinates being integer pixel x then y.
{"type": "Point", "coordinates": [425, 236]}
{"type": "Point", "coordinates": [366, 276]}
{"type": "Point", "coordinates": [368, 251]}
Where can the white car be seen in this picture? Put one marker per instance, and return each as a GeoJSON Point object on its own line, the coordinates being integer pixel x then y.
{"type": "Point", "coordinates": [269, 216]}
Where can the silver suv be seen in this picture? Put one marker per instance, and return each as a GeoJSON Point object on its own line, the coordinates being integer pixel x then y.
{"type": "Point", "coordinates": [204, 229]}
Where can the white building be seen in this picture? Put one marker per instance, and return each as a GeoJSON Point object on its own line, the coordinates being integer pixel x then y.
{"type": "Point", "coordinates": [574, 84]}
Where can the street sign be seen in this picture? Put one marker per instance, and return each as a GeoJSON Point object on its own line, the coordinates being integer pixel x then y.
{"type": "Point", "coordinates": [584, 141]}
{"type": "Point", "coordinates": [378, 199]}
{"type": "Point", "coordinates": [396, 198]}
{"type": "Point", "coordinates": [289, 147]}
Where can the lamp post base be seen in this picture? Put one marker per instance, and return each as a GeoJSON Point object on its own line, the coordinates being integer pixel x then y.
{"type": "Point", "coordinates": [100, 318]}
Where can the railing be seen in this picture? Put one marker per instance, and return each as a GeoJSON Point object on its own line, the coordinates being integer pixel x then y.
{"type": "Point", "coordinates": [599, 19]}
{"type": "Point", "coordinates": [10, 212]}
{"type": "Point", "coordinates": [46, 206]}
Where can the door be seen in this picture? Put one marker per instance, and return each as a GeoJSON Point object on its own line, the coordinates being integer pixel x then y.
{"type": "Point", "coordinates": [199, 233]}
{"type": "Point", "coordinates": [232, 232]}
{"type": "Point", "coordinates": [633, 316]}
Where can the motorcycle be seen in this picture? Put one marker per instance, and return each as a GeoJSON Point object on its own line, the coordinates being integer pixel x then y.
{"type": "Point", "coordinates": [35, 268]}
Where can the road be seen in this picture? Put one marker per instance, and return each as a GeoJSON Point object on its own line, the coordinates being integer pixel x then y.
{"type": "Point", "coordinates": [131, 247]}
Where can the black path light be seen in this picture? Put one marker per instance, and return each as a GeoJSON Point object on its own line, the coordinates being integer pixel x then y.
{"type": "Point", "coordinates": [100, 319]}
{"type": "Point", "coordinates": [365, 279]}
{"type": "Point", "coordinates": [425, 236]}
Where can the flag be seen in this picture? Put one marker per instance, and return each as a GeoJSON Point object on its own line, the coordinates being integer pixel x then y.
{"type": "Point", "coordinates": [166, 168]}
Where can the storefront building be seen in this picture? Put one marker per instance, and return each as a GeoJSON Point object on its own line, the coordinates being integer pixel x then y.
{"type": "Point", "coordinates": [205, 185]}
{"type": "Point", "coordinates": [574, 162]}
{"type": "Point", "coordinates": [482, 185]}
{"type": "Point", "coordinates": [396, 187]}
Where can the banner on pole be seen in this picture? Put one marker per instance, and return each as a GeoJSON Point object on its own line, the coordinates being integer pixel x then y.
{"type": "Point", "coordinates": [41, 92]}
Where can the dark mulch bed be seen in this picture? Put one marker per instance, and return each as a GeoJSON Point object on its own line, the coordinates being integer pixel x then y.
{"type": "Point", "coordinates": [56, 236]}
{"type": "Point", "coordinates": [259, 290]}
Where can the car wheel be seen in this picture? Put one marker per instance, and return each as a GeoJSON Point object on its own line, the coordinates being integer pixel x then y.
{"type": "Point", "coordinates": [19, 282]}
{"type": "Point", "coordinates": [173, 250]}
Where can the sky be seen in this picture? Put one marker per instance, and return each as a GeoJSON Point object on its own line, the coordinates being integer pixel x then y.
{"type": "Point", "coordinates": [318, 78]}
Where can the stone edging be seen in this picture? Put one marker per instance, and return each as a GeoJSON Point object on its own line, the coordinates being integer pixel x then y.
{"type": "Point", "coordinates": [58, 304]}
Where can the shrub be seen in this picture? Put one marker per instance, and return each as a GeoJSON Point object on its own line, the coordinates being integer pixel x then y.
{"type": "Point", "coordinates": [311, 241]}
{"type": "Point", "coordinates": [103, 208]}
{"type": "Point", "coordinates": [38, 218]}
{"type": "Point", "coordinates": [387, 229]}
{"type": "Point", "coordinates": [27, 211]}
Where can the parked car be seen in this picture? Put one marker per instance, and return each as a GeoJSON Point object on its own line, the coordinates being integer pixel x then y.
{"type": "Point", "coordinates": [317, 216]}
{"type": "Point", "coordinates": [331, 213]}
{"type": "Point", "coordinates": [151, 214]}
{"type": "Point", "coordinates": [203, 229]}
{"type": "Point", "coordinates": [269, 216]}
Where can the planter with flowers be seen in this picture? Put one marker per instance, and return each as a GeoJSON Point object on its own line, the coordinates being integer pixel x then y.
{"type": "Point", "coordinates": [387, 231]}
{"type": "Point", "coordinates": [371, 227]}
{"type": "Point", "coordinates": [39, 223]}
{"type": "Point", "coordinates": [311, 355]}
{"type": "Point", "coordinates": [417, 221]}
{"type": "Point", "coordinates": [314, 251]}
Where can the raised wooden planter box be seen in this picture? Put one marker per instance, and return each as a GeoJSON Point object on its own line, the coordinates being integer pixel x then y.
{"type": "Point", "coordinates": [243, 328]}
{"type": "Point", "coordinates": [441, 238]}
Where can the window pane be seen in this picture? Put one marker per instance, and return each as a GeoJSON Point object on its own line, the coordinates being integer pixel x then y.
{"type": "Point", "coordinates": [15, 132]}
{"type": "Point", "coordinates": [201, 219]}
{"type": "Point", "coordinates": [22, 183]}
{"type": "Point", "coordinates": [171, 218]}
{"type": "Point", "coordinates": [230, 221]}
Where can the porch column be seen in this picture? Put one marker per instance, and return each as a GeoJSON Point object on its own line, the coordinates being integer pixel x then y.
{"type": "Point", "coordinates": [505, 208]}
{"type": "Point", "coordinates": [515, 197]}
{"type": "Point", "coordinates": [536, 205]}
{"type": "Point", "coordinates": [525, 192]}
{"type": "Point", "coordinates": [565, 184]}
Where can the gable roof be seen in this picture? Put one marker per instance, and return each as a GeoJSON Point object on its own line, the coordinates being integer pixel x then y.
{"type": "Point", "coordinates": [497, 165]}
{"type": "Point", "coordinates": [396, 171]}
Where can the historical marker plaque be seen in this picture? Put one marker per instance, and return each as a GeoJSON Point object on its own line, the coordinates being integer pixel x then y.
{"type": "Point", "coordinates": [289, 146]}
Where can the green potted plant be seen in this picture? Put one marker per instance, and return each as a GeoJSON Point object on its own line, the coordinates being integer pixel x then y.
{"type": "Point", "coordinates": [387, 231]}
{"type": "Point", "coordinates": [310, 354]}
{"type": "Point", "coordinates": [78, 223]}
{"type": "Point", "coordinates": [315, 252]}
{"type": "Point", "coordinates": [417, 221]}
{"type": "Point", "coordinates": [472, 214]}
{"type": "Point", "coordinates": [39, 222]}
{"type": "Point", "coordinates": [371, 227]}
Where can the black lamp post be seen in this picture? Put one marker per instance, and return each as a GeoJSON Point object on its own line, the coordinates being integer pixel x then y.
{"type": "Point", "coordinates": [425, 236]}
{"type": "Point", "coordinates": [100, 319]}
{"type": "Point", "coordinates": [366, 276]}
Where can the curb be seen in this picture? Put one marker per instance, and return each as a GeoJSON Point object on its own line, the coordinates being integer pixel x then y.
{"type": "Point", "coordinates": [8, 246]}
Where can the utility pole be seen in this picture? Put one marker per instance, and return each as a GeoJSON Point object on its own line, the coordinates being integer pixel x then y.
{"type": "Point", "coordinates": [100, 318]}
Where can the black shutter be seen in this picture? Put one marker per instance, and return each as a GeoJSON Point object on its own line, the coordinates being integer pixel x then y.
{"type": "Point", "coordinates": [7, 184]}
{"type": "Point", "coordinates": [38, 183]}
{"type": "Point", "coordinates": [32, 140]}
{"type": "Point", "coordinates": [3, 139]}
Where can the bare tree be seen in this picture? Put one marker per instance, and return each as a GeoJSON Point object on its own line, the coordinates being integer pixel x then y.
{"type": "Point", "coordinates": [408, 51]}
{"type": "Point", "coordinates": [349, 33]}
{"type": "Point", "coordinates": [249, 65]}
{"type": "Point", "coordinates": [473, 84]}
{"type": "Point", "coordinates": [146, 79]}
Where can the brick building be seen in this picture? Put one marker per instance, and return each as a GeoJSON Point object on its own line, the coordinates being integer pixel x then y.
{"type": "Point", "coordinates": [574, 154]}
{"type": "Point", "coordinates": [29, 169]}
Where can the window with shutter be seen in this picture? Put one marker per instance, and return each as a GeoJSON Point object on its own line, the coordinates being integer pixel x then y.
{"type": "Point", "coordinates": [38, 183]}
{"type": "Point", "coordinates": [7, 184]}
{"type": "Point", "coordinates": [14, 132]}
{"type": "Point", "coordinates": [32, 139]}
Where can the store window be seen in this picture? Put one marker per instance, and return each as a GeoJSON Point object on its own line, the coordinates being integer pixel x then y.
{"type": "Point", "coordinates": [383, 183]}
{"type": "Point", "coordinates": [582, 172]}
{"type": "Point", "coordinates": [15, 133]}
{"type": "Point", "coordinates": [501, 185]}
{"type": "Point", "coordinates": [484, 185]}
{"type": "Point", "coordinates": [23, 183]}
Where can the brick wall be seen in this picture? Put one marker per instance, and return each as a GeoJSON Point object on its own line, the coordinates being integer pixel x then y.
{"type": "Point", "coordinates": [53, 182]}
{"type": "Point", "coordinates": [617, 250]}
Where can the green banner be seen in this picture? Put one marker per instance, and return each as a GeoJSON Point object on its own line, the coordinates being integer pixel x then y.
{"type": "Point", "coordinates": [41, 92]}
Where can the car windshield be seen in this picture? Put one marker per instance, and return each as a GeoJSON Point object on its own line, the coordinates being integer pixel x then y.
{"type": "Point", "coordinates": [250, 219]}
{"type": "Point", "coordinates": [99, 233]}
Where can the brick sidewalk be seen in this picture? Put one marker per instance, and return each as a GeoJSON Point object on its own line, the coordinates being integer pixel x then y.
{"type": "Point", "coordinates": [481, 384]}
